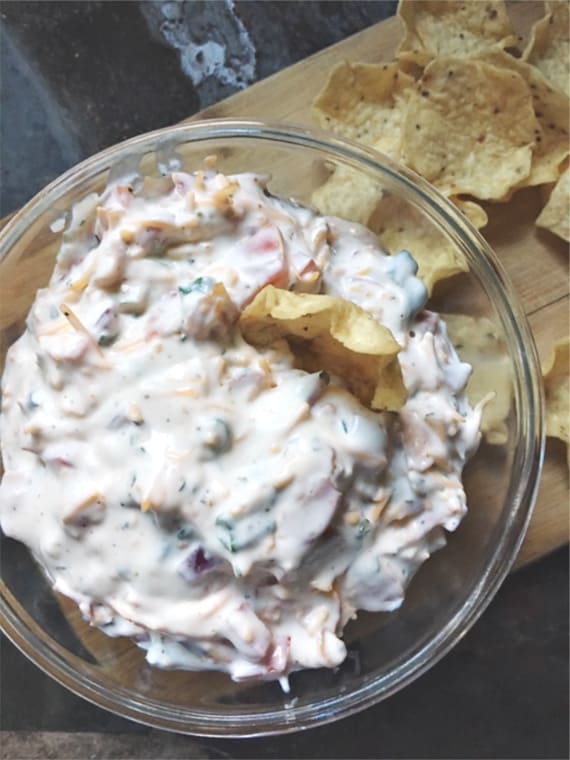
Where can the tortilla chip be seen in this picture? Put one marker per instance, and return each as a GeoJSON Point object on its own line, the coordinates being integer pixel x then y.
{"type": "Point", "coordinates": [470, 128]}
{"type": "Point", "coordinates": [327, 333]}
{"type": "Point", "coordinates": [479, 343]}
{"type": "Point", "coordinates": [555, 216]}
{"type": "Point", "coordinates": [399, 226]}
{"type": "Point", "coordinates": [402, 227]}
{"type": "Point", "coordinates": [549, 45]}
{"type": "Point", "coordinates": [473, 211]}
{"type": "Point", "coordinates": [552, 113]}
{"type": "Point", "coordinates": [364, 102]}
{"type": "Point", "coordinates": [348, 193]}
{"type": "Point", "coordinates": [461, 28]}
{"type": "Point", "coordinates": [557, 392]}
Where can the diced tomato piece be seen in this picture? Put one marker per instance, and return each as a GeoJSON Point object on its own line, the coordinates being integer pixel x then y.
{"type": "Point", "coordinates": [266, 240]}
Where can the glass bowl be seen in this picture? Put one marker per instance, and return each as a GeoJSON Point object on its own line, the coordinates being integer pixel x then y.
{"type": "Point", "coordinates": [449, 593]}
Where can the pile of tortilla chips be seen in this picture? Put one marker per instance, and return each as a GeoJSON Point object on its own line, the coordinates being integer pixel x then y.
{"type": "Point", "coordinates": [479, 120]}
{"type": "Point", "coordinates": [475, 121]}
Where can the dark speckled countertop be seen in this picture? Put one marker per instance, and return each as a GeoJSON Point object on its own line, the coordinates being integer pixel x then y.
{"type": "Point", "coordinates": [79, 76]}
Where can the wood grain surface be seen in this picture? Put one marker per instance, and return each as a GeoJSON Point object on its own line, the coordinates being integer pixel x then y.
{"type": "Point", "coordinates": [536, 261]}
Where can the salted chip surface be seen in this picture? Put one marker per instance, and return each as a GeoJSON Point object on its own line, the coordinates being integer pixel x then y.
{"type": "Point", "coordinates": [328, 333]}
{"type": "Point", "coordinates": [549, 45]}
{"type": "Point", "coordinates": [403, 227]}
{"type": "Point", "coordinates": [461, 132]}
{"type": "Point", "coordinates": [435, 28]}
{"type": "Point", "coordinates": [479, 343]}
{"type": "Point", "coordinates": [551, 108]}
{"type": "Point", "coordinates": [557, 392]}
{"type": "Point", "coordinates": [365, 102]}
{"type": "Point", "coordinates": [555, 216]}
{"type": "Point", "coordinates": [348, 194]}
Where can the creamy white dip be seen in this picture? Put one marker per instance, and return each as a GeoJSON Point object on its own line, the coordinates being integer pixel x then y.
{"type": "Point", "coordinates": [227, 510]}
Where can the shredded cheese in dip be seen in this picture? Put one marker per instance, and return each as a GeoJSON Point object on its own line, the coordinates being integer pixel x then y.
{"type": "Point", "coordinates": [226, 509]}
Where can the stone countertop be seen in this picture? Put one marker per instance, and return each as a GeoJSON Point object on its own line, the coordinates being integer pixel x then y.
{"type": "Point", "coordinates": [79, 76]}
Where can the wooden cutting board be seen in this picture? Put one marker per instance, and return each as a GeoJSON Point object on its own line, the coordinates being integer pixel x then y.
{"type": "Point", "coordinates": [536, 261]}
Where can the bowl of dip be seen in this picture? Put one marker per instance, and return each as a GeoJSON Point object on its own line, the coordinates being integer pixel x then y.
{"type": "Point", "coordinates": [224, 536]}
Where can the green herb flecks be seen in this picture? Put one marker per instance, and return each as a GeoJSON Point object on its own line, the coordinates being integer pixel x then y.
{"type": "Point", "coordinates": [363, 528]}
{"type": "Point", "coordinates": [200, 285]}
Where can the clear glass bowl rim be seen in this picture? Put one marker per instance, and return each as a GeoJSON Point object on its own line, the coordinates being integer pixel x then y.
{"type": "Point", "coordinates": [525, 473]}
